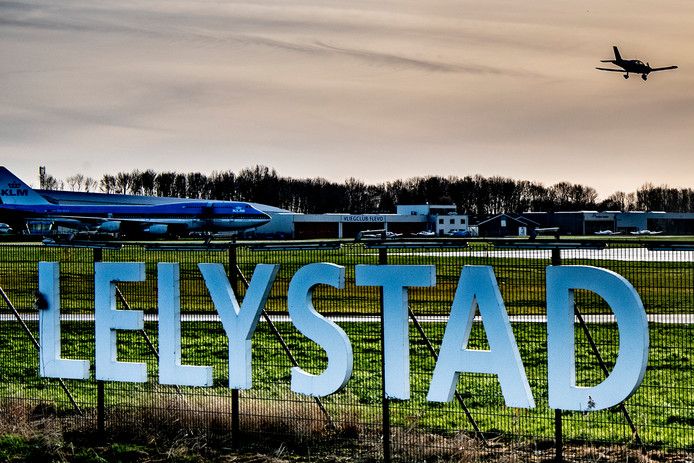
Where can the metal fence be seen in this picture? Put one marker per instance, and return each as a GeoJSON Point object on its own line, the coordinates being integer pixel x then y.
{"type": "Point", "coordinates": [660, 415]}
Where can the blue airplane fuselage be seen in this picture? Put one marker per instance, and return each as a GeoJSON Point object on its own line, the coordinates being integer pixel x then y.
{"type": "Point", "coordinates": [21, 205]}
{"type": "Point", "coordinates": [185, 216]}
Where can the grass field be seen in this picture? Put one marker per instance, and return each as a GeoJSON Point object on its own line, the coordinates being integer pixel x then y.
{"type": "Point", "coordinates": [665, 286]}
{"type": "Point", "coordinates": [663, 408]}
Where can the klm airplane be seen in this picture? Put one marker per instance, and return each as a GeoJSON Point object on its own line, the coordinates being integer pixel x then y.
{"type": "Point", "coordinates": [20, 206]}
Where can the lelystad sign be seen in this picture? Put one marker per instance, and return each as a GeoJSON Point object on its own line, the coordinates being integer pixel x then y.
{"type": "Point", "coordinates": [477, 289]}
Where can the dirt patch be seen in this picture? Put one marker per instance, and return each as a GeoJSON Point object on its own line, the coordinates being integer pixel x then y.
{"type": "Point", "coordinates": [32, 431]}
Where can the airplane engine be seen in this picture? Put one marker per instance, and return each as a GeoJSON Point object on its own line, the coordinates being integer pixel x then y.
{"type": "Point", "coordinates": [158, 229]}
{"type": "Point", "coordinates": [112, 226]}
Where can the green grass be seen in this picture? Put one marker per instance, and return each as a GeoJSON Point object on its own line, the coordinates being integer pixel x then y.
{"type": "Point", "coordinates": [663, 408]}
{"type": "Point", "coordinates": [665, 287]}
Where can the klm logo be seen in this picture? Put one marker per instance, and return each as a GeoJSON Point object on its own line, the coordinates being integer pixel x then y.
{"type": "Point", "coordinates": [14, 189]}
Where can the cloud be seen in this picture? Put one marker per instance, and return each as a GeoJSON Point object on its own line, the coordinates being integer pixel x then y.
{"type": "Point", "coordinates": [327, 88]}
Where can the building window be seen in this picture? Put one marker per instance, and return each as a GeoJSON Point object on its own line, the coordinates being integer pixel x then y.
{"type": "Point", "coordinates": [452, 221]}
{"type": "Point", "coordinates": [441, 221]}
{"type": "Point", "coordinates": [503, 222]}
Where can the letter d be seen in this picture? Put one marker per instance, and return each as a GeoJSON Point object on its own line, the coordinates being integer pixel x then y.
{"type": "Point", "coordinates": [630, 367]}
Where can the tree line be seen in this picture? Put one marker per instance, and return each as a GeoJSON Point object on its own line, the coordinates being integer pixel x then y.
{"type": "Point", "coordinates": [471, 194]}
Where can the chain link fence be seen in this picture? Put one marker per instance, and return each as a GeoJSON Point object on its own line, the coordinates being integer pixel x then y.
{"type": "Point", "coordinates": [476, 422]}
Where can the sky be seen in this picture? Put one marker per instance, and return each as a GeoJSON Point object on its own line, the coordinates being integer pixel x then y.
{"type": "Point", "coordinates": [337, 89]}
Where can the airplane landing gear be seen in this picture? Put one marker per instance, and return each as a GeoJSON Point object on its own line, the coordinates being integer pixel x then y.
{"type": "Point", "coordinates": [626, 76]}
{"type": "Point", "coordinates": [644, 76]}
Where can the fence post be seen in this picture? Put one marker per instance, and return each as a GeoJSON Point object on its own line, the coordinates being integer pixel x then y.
{"type": "Point", "coordinates": [233, 280]}
{"type": "Point", "coordinates": [100, 390]}
{"type": "Point", "coordinates": [558, 438]}
{"type": "Point", "coordinates": [383, 260]}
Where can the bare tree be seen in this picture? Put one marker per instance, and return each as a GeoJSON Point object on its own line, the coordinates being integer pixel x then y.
{"type": "Point", "coordinates": [107, 184]}
{"type": "Point", "coordinates": [51, 183]}
{"type": "Point", "coordinates": [123, 180]}
{"type": "Point", "coordinates": [164, 184]}
{"type": "Point", "coordinates": [89, 184]}
{"type": "Point", "coordinates": [75, 182]}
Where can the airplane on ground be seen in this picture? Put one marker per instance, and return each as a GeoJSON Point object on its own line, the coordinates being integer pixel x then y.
{"type": "Point", "coordinates": [607, 232]}
{"type": "Point", "coordinates": [20, 206]}
{"type": "Point", "coordinates": [5, 229]}
{"type": "Point", "coordinates": [424, 234]}
{"type": "Point", "coordinates": [547, 230]}
{"type": "Point", "coordinates": [631, 65]}
{"type": "Point", "coordinates": [377, 234]}
{"type": "Point", "coordinates": [646, 232]}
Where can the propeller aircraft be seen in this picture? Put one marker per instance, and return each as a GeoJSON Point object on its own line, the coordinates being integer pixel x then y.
{"type": "Point", "coordinates": [633, 66]}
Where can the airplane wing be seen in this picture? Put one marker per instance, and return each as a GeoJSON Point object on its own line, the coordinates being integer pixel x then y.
{"type": "Point", "coordinates": [666, 68]}
{"type": "Point", "coordinates": [609, 69]}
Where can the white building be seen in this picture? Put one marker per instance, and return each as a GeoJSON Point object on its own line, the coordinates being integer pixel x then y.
{"type": "Point", "coordinates": [447, 224]}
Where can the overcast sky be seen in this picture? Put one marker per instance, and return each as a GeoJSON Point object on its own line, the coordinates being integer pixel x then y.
{"type": "Point", "coordinates": [377, 90]}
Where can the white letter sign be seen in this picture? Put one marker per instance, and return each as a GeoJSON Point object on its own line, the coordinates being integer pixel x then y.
{"type": "Point", "coordinates": [169, 301]}
{"type": "Point", "coordinates": [478, 288]}
{"type": "Point", "coordinates": [630, 367]}
{"type": "Point", "coordinates": [108, 320]}
{"type": "Point", "coordinates": [239, 322]}
{"type": "Point", "coordinates": [320, 330]}
{"type": "Point", "coordinates": [50, 363]}
{"type": "Point", "coordinates": [395, 279]}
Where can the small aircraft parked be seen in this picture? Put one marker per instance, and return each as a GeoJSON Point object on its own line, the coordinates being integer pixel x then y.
{"type": "Point", "coordinates": [424, 234]}
{"type": "Point", "coordinates": [633, 66]}
{"type": "Point", "coordinates": [5, 229]}
{"type": "Point", "coordinates": [607, 232]}
{"type": "Point", "coordinates": [377, 234]}
{"type": "Point", "coordinates": [646, 232]}
{"type": "Point", "coordinates": [21, 205]}
{"type": "Point", "coordinates": [547, 230]}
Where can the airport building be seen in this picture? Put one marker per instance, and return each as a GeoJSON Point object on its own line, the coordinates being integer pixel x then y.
{"type": "Point", "coordinates": [590, 222]}
{"type": "Point", "coordinates": [408, 220]}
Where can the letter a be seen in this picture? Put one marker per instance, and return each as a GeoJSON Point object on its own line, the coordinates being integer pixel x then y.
{"type": "Point", "coordinates": [477, 288]}
{"type": "Point", "coordinates": [630, 367]}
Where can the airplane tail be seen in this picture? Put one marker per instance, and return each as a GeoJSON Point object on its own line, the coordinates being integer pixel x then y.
{"type": "Point", "coordinates": [617, 56]}
{"type": "Point", "coordinates": [14, 191]}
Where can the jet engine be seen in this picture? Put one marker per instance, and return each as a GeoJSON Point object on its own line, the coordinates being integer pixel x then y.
{"type": "Point", "coordinates": [158, 229]}
{"type": "Point", "coordinates": [111, 226]}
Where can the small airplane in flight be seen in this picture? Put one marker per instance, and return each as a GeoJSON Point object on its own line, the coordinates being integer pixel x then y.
{"type": "Point", "coordinates": [633, 66]}
{"type": "Point", "coordinates": [20, 206]}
